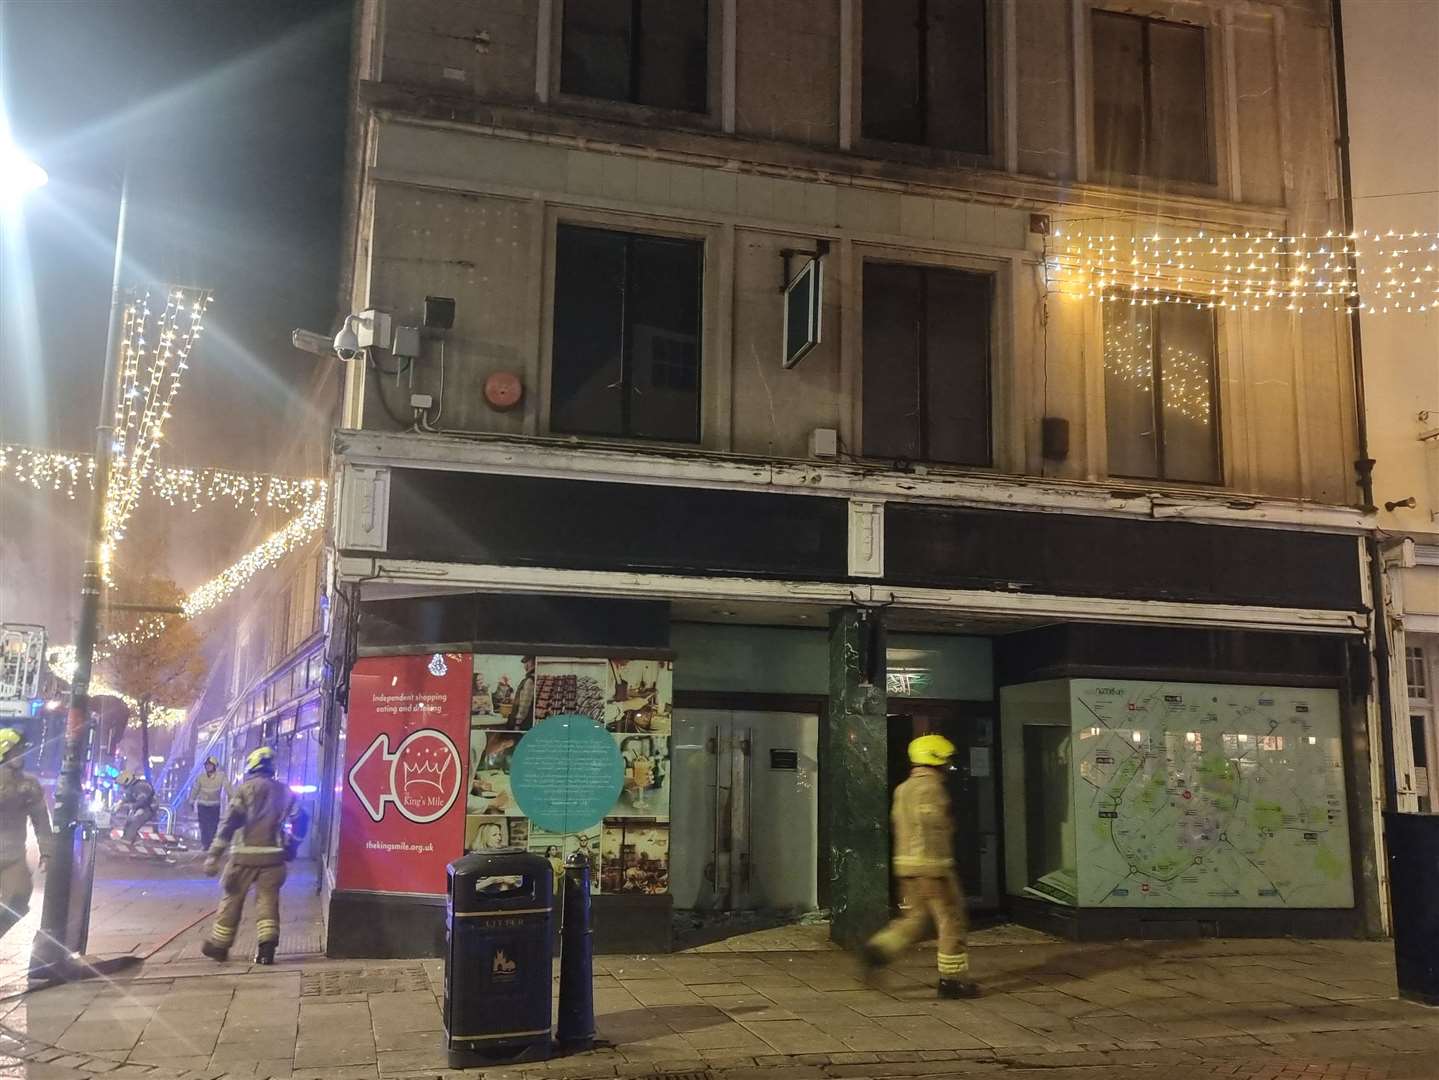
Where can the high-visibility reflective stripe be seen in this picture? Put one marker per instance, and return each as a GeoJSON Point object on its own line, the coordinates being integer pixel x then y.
{"type": "Point", "coordinates": [220, 933]}
{"type": "Point", "coordinates": [500, 914]}
{"type": "Point", "coordinates": [244, 849]}
{"type": "Point", "coordinates": [953, 965]}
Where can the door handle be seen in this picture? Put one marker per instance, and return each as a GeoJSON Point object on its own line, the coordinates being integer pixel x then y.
{"type": "Point", "coordinates": [710, 872]}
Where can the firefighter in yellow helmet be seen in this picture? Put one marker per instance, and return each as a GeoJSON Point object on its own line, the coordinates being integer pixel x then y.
{"type": "Point", "coordinates": [257, 819]}
{"type": "Point", "coordinates": [924, 865]}
{"type": "Point", "coordinates": [21, 800]}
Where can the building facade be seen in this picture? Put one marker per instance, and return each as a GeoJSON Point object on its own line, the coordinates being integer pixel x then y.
{"type": "Point", "coordinates": [1393, 191]}
{"type": "Point", "coordinates": [764, 381]}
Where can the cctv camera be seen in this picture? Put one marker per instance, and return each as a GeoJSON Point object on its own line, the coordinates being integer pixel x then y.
{"type": "Point", "coordinates": [347, 341]}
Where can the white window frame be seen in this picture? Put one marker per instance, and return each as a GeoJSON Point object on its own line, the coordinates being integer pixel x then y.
{"type": "Point", "coordinates": [1427, 707]}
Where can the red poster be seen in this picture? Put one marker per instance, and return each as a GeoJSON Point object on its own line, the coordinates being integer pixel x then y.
{"type": "Point", "coordinates": [402, 807]}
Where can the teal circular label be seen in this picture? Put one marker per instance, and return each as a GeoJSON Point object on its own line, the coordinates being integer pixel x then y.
{"type": "Point", "coordinates": [566, 774]}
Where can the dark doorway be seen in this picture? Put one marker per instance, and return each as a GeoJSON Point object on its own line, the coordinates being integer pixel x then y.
{"type": "Point", "coordinates": [973, 785]}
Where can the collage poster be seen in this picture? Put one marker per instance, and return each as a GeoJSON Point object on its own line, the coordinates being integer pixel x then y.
{"type": "Point", "coordinates": [634, 700]}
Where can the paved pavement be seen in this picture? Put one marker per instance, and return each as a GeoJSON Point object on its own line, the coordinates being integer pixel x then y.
{"type": "Point", "coordinates": [775, 1004]}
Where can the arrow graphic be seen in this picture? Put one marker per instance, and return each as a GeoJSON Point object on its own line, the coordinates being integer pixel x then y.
{"type": "Point", "coordinates": [373, 776]}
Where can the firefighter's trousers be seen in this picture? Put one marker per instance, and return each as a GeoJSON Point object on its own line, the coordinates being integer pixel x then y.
{"type": "Point", "coordinates": [931, 904]}
{"type": "Point", "coordinates": [236, 882]}
{"type": "Point", "coordinates": [16, 885]}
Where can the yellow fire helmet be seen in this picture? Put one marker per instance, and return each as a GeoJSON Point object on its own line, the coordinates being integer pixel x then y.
{"type": "Point", "coordinates": [125, 779]}
{"type": "Point", "coordinates": [933, 750]}
{"type": "Point", "coordinates": [9, 740]}
{"type": "Point", "coordinates": [261, 759]}
{"type": "Point", "coordinates": [211, 761]}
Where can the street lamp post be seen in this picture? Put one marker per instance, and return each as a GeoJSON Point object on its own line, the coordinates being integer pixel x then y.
{"type": "Point", "coordinates": [51, 950]}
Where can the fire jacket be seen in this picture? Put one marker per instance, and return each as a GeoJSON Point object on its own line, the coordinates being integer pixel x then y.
{"type": "Point", "coordinates": [22, 800]}
{"type": "Point", "coordinates": [256, 821]}
{"type": "Point", "coordinates": [923, 831]}
{"type": "Point", "coordinates": [209, 789]}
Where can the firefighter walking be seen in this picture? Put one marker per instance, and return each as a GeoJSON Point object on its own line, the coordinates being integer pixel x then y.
{"type": "Point", "coordinates": [924, 865]}
{"type": "Point", "coordinates": [256, 822]}
{"type": "Point", "coordinates": [21, 801]}
{"type": "Point", "coordinates": [211, 789]}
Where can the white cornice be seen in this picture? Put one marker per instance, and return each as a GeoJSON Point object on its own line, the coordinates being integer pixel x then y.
{"type": "Point", "coordinates": [558, 458]}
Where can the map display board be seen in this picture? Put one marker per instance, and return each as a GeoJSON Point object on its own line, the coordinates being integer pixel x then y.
{"type": "Point", "coordinates": [1208, 795]}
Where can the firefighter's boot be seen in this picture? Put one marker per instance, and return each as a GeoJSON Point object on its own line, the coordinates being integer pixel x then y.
{"type": "Point", "coordinates": [265, 952]}
{"type": "Point", "coordinates": [958, 988]}
{"type": "Point", "coordinates": [215, 952]}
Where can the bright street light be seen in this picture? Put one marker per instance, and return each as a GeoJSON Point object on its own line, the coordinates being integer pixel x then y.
{"type": "Point", "coordinates": [18, 174]}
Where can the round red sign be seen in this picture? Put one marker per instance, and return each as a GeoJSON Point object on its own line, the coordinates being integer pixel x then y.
{"type": "Point", "coordinates": [425, 775]}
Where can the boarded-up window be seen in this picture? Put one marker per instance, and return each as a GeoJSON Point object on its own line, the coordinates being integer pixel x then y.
{"type": "Point", "coordinates": [924, 74]}
{"type": "Point", "coordinates": [1160, 401]}
{"type": "Point", "coordinates": [648, 52]}
{"type": "Point", "coordinates": [1151, 98]}
{"type": "Point", "coordinates": [926, 364]}
{"type": "Point", "coordinates": [627, 335]}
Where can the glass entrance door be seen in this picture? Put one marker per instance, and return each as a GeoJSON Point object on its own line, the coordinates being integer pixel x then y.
{"type": "Point", "coordinates": [744, 810]}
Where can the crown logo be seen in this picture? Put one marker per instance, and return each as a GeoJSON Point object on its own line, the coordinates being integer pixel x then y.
{"type": "Point", "coordinates": [438, 668]}
{"type": "Point", "coordinates": [428, 772]}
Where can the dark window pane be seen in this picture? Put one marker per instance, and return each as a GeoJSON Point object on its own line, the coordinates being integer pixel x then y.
{"type": "Point", "coordinates": [926, 364]}
{"type": "Point", "coordinates": [627, 335]}
{"type": "Point", "coordinates": [586, 394]}
{"type": "Point", "coordinates": [672, 54]}
{"type": "Point", "coordinates": [663, 365]}
{"type": "Point", "coordinates": [891, 79]}
{"type": "Point", "coordinates": [1179, 100]}
{"type": "Point", "coordinates": [893, 298]}
{"type": "Point", "coordinates": [957, 313]}
{"type": "Point", "coordinates": [595, 49]}
{"type": "Point", "coordinates": [956, 95]}
{"type": "Point", "coordinates": [1118, 74]}
{"type": "Point", "coordinates": [1421, 747]}
{"type": "Point", "coordinates": [1185, 362]}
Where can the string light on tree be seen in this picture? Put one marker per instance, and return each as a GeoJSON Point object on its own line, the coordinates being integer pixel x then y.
{"type": "Point", "coordinates": [270, 551]}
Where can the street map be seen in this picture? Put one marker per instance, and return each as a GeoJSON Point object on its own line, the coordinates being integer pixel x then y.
{"type": "Point", "coordinates": [1200, 795]}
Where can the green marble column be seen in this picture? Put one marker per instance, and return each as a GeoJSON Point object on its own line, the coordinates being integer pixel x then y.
{"type": "Point", "coordinates": [855, 772]}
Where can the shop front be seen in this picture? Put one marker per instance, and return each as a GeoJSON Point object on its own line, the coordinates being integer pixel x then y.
{"type": "Point", "coordinates": [757, 656]}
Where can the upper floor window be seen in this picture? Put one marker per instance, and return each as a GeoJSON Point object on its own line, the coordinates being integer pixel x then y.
{"type": "Point", "coordinates": [626, 357]}
{"type": "Point", "coordinates": [646, 52]}
{"type": "Point", "coordinates": [1160, 400]}
{"type": "Point", "coordinates": [926, 383]}
{"type": "Point", "coordinates": [1151, 98]}
{"type": "Point", "coordinates": [1418, 672]}
{"type": "Point", "coordinates": [924, 74]}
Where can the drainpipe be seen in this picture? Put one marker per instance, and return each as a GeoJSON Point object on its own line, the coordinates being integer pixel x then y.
{"type": "Point", "coordinates": [1364, 466]}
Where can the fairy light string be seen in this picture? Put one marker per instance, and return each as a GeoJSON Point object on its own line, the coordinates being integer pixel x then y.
{"type": "Point", "coordinates": [178, 486]}
{"type": "Point", "coordinates": [1369, 271]}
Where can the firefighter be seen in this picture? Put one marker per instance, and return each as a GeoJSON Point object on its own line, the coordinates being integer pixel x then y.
{"type": "Point", "coordinates": [924, 865]}
{"type": "Point", "coordinates": [257, 819]}
{"type": "Point", "coordinates": [211, 788]}
{"type": "Point", "coordinates": [20, 800]}
{"type": "Point", "coordinates": [137, 804]}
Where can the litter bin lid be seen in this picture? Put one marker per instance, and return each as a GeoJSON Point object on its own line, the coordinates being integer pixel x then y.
{"type": "Point", "coordinates": [500, 880]}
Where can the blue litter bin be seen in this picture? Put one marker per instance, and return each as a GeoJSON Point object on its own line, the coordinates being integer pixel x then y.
{"type": "Point", "coordinates": [498, 956]}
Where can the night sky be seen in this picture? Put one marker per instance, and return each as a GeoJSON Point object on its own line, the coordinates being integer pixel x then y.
{"type": "Point", "coordinates": [232, 114]}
